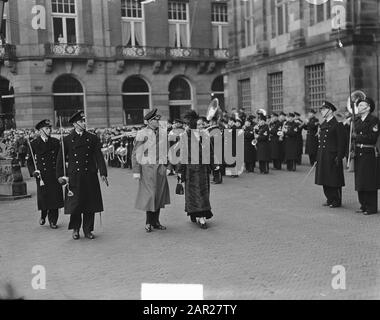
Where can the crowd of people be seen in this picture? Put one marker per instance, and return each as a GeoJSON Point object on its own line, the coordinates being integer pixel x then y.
{"type": "Point", "coordinates": [276, 138]}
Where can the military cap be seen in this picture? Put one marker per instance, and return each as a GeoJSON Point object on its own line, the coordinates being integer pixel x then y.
{"type": "Point", "coordinates": [291, 114]}
{"type": "Point", "coordinates": [178, 121]}
{"type": "Point", "coordinates": [262, 117]}
{"type": "Point", "coordinates": [282, 113]}
{"type": "Point", "coordinates": [151, 114]}
{"type": "Point", "coordinates": [370, 102]}
{"type": "Point", "coordinates": [312, 111]}
{"type": "Point", "coordinates": [297, 114]}
{"type": "Point", "coordinates": [328, 105]}
{"type": "Point", "coordinates": [77, 116]}
{"type": "Point", "coordinates": [274, 114]}
{"type": "Point", "coordinates": [43, 124]}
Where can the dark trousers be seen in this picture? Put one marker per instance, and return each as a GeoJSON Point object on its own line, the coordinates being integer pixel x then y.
{"type": "Point", "coordinates": [153, 217]}
{"type": "Point", "coordinates": [312, 158]}
{"type": "Point", "coordinates": [264, 166]}
{"type": "Point", "coordinates": [250, 166]}
{"type": "Point", "coordinates": [277, 164]}
{"type": "Point", "coordinates": [291, 165]}
{"type": "Point", "coordinates": [333, 195]}
{"type": "Point", "coordinates": [217, 177]}
{"type": "Point", "coordinates": [52, 215]}
{"type": "Point", "coordinates": [88, 222]}
{"type": "Point", "coordinates": [368, 201]}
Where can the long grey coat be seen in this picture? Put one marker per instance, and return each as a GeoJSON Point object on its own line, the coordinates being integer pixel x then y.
{"type": "Point", "coordinates": [153, 191]}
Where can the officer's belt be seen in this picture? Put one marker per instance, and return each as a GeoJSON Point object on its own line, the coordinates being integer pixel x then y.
{"type": "Point", "coordinates": [365, 146]}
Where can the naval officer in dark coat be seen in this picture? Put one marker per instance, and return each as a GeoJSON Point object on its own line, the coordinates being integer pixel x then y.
{"type": "Point", "coordinates": [49, 192]}
{"type": "Point", "coordinates": [367, 170]}
{"type": "Point", "coordinates": [311, 126]}
{"type": "Point", "coordinates": [84, 157]}
{"type": "Point", "coordinates": [331, 151]}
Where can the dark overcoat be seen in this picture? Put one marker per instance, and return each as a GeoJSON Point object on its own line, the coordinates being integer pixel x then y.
{"type": "Point", "coordinates": [263, 146]}
{"type": "Point", "coordinates": [250, 154]}
{"type": "Point", "coordinates": [84, 159]}
{"type": "Point", "coordinates": [275, 143]}
{"type": "Point", "coordinates": [291, 141]}
{"type": "Point", "coordinates": [331, 151]}
{"type": "Point", "coordinates": [312, 136]}
{"type": "Point", "coordinates": [49, 191]}
{"type": "Point", "coordinates": [299, 123]}
{"type": "Point", "coordinates": [367, 170]}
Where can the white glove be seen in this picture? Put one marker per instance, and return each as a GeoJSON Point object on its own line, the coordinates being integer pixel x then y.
{"type": "Point", "coordinates": [137, 176]}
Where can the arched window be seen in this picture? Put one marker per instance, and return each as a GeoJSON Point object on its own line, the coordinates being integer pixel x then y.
{"type": "Point", "coordinates": [7, 109]}
{"type": "Point", "coordinates": [68, 98]}
{"type": "Point", "coordinates": [217, 88]}
{"type": "Point", "coordinates": [180, 98]}
{"type": "Point", "coordinates": [136, 99]}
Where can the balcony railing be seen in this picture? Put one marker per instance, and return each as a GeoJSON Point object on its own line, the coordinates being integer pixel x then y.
{"type": "Point", "coordinates": [7, 52]}
{"type": "Point", "coordinates": [127, 52]}
{"type": "Point", "coordinates": [68, 50]}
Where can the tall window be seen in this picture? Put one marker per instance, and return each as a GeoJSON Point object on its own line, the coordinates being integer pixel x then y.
{"type": "Point", "coordinates": [4, 36]}
{"type": "Point", "coordinates": [319, 13]}
{"type": "Point", "coordinates": [219, 20]}
{"type": "Point", "coordinates": [135, 100]}
{"type": "Point", "coordinates": [249, 23]}
{"type": "Point", "coordinates": [133, 28]}
{"type": "Point", "coordinates": [280, 17]}
{"type": "Point", "coordinates": [64, 21]}
{"type": "Point", "coordinates": [244, 92]}
{"type": "Point", "coordinates": [276, 92]}
{"type": "Point", "coordinates": [179, 27]}
{"type": "Point", "coordinates": [315, 85]}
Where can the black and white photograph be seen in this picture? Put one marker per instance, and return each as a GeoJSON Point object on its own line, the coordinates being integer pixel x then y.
{"type": "Point", "coordinates": [203, 151]}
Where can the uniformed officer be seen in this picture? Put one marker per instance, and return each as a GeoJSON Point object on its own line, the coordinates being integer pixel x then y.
{"type": "Point", "coordinates": [331, 151]}
{"type": "Point", "coordinates": [299, 123]}
{"type": "Point", "coordinates": [311, 126]}
{"type": "Point", "coordinates": [84, 157]}
{"type": "Point", "coordinates": [49, 192]}
{"type": "Point", "coordinates": [263, 146]}
{"type": "Point", "coordinates": [367, 169]}
{"type": "Point", "coordinates": [291, 130]}
{"type": "Point", "coordinates": [153, 192]}
{"type": "Point", "coordinates": [275, 143]}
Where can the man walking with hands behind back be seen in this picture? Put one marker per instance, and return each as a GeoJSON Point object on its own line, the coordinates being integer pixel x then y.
{"type": "Point", "coordinates": [153, 192]}
{"type": "Point", "coordinates": [84, 156]}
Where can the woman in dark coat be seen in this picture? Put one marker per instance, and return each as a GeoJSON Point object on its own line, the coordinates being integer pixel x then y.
{"type": "Point", "coordinates": [196, 178]}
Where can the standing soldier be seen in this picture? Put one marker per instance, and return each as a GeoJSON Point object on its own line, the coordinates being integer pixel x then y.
{"type": "Point", "coordinates": [153, 192]}
{"type": "Point", "coordinates": [82, 151]}
{"type": "Point", "coordinates": [311, 126]}
{"type": "Point", "coordinates": [275, 143]}
{"type": "Point", "coordinates": [263, 146]}
{"type": "Point", "coordinates": [249, 148]}
{"type": "Point", "coordinates": [367, 169]}
{"type": "Point", "coordinates": [43, 167]}
{"type": "Point", "coordinates": [299, 123]}
{"type": "Point", "coordinates": [290, 130]}
{"type": "Point", "coordinates": [282, 119]}
{"type": "Point", "coordinates": [331, 151]}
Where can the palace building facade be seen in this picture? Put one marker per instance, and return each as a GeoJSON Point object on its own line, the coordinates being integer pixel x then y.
{"type": "Point", "coordinates": [292, 55]}
{"type": "Point", "coordinates": [115, 59]}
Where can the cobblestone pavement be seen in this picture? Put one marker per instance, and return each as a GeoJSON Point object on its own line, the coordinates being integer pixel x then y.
{"type": "Point", "coordinates": [270, 238]}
